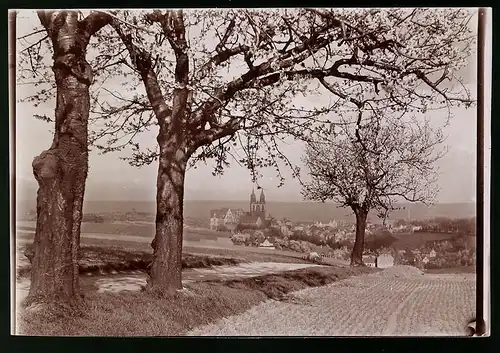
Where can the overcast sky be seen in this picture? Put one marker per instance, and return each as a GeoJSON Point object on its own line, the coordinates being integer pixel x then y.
{"type": "Point", "coordinates": [456, 181]}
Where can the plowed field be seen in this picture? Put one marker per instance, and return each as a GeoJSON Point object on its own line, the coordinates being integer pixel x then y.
{"type": "Point", "coordinates": [372, 305]}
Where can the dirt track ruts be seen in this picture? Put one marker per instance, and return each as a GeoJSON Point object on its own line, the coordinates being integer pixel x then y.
{"type": "Point", "coordinates": [369, 305]}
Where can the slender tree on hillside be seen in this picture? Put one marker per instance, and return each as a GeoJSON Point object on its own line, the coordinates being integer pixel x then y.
{"type": "Point", "coordinates": [370, 166]}
{"type": "Point", "coordinates": [223, 84]}
{"type": "Point", "coordinates": [62, 169]}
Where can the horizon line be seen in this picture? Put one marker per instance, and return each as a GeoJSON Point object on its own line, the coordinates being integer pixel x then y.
{"type": "Point", "coordinates": [267, 201]}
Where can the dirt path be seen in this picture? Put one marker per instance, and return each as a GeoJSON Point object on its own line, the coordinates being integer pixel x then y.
{"type": "Point", "coordinates": [117, 283]}
{"type": "Point", "coordinates": [369, 305]}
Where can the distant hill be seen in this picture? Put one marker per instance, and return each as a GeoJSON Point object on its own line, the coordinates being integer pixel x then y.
{"type": "Point", "coordinates": [125, 199]}
{"type": "Point", "coordinates": [294, 211]}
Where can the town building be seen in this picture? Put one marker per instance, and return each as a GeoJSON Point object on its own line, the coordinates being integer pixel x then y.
{"type": "Point", "coordinates": [266, 244]}
{"type": "Point", "coordinates": [385, 260]}
{"type": "Point", "coordinates": [225, 217]}
{"type": "Point", "coordinates": [369, 260]}
{"type": "Point", "coordinates": [229, 218]}
{"type": "Point", "coordinates": [331, 224]}
{"type": "Point", "coordinates": [257, 215]}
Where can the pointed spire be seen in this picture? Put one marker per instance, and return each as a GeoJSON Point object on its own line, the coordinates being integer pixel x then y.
{"type": "Point", "coordinates": [252, 196]}
{"type": "Point", "coordinates": [262, 197]}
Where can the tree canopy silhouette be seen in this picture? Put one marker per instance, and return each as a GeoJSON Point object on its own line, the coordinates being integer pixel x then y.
{"type": "Point", "coordinates": [371, 165]}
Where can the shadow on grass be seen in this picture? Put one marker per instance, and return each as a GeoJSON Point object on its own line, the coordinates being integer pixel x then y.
{"type": "Point", "coordinates": [277, 286]}
{"type": "Point", "coordinates": [202, 303]}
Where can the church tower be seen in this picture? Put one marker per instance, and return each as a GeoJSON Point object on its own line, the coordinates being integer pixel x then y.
{"type": "Point", "coordinates": [253, 201]}
{"type": "Point", "coordinates": [258, 207]}
{"type": "Point", "coordinates": [262, 201]}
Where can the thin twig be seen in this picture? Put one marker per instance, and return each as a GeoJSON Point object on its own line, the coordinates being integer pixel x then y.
{"type": "Point", "coordinates": [31, 34]}
{"type": "Point", "coordinates": [128, 23]}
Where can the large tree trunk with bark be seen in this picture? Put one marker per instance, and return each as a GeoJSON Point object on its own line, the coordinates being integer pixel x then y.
{"type": "Point", "coordinates": [181, 133]}
{"type": "Point", "coordinates": [359, 243]}
{"type": "Point", "coordinates": [61, 170]}
{"type": "Point", "coordinates": [165, 273]}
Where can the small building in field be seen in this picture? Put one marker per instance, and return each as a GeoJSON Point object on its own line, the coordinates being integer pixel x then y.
{"type": "Point", "coordinates": [266, 244]}
{"type": "Point", "coordinates": [432, 254]}
{"type": "Point", "coordinates": [369, 260]}
{"type": "Point", "coordinates": [385, 260]}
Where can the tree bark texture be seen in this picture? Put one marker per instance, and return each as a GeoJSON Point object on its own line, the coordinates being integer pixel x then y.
{"type": "Point", "coordinates": [359, 243]}
{"type": "Point", "coordinates": [61, 170]}
{"type": "Point", "coordinates": [165, 275]}
{"type": "Point", "coordinates": [179, 136]}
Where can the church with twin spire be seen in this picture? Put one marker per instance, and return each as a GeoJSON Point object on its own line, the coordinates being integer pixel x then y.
{"type": "Point", "coordinates": [257, 214]}
{"type": "Point", "coordinates": [229, 218]}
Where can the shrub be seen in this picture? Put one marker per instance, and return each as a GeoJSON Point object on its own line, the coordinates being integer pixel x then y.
{"type": "Point", "coordinates": [273, 232]}
{"type": "Point", "coordinates": [341, 253]}
{"type": "Point", "coordinates": [222, 228]}
{"type": "Point", "coordinates": [450, 259]}
{"type": "Point", "coordinates": [259, 236]}
{"type": "Point", "coordinates": [378, 242]}
{"type": "Point", "coordinates": [239, 238]}
{"type": "Point", "coordinates": [332, 243]}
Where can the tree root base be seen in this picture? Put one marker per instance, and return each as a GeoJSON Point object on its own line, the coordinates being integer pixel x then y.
{"type": "Point", "coordinates": [159, 291]}
{"type": "Point", "coordinates": [58, 305]}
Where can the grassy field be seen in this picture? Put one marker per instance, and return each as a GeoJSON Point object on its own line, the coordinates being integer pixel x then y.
{"type": "Point", "coordinates": [200, 241]}
{"type": "Point", "coordinates": [100, 259]}
{"type": "Point", "coordinates": [106, 255]}
{"type": "Point", "coordinates": [412, 240]}
{"type": "Point", "coordinates": [206, 242]}
{"type": "Point", "coordinates": [135, 229]}
{"type": "Point", "coordinates": [416, 240]}
{"type": "Point", "coordinates": [142, 314]}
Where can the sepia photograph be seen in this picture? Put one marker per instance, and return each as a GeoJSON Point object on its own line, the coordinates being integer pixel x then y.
{"type": "Point", "coordinates": [250, 172]}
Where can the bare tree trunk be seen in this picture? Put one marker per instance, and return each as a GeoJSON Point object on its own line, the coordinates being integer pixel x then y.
{"type": "Point", "coordinates": [165, 271]}
{"type": "Point", "coordinates": [359, 243]}
{"type": "Point", "coordinates": [61, 170]}
{"type": "Point", "coordinates": [165, 275]}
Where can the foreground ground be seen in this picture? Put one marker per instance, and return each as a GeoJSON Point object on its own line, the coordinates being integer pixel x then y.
{"type": "Point", "coordinates": [113, 272]}
{"type": "Point", "coordinates": [135, 313]}
{"type": "Point", "coordinates": [386, 303]}
{"type": "Point", "coordinates": [216, 302]}
{"type": "Point", "coordinates": [322, 301]}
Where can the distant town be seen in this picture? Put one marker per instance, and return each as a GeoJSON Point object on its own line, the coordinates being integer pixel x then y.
{"type": "Point", "coordinates": [432, 242]}
{"type": "Point", "coordinates": [387, 241]}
